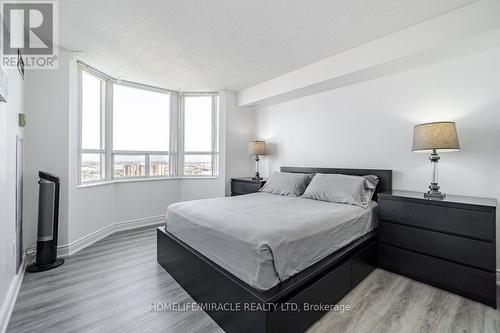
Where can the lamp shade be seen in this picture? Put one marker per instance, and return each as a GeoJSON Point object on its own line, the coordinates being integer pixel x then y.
{"type": "Point", "coordinates": [257, 148]}
{"type": "Point", "coordinates": [441, 136]}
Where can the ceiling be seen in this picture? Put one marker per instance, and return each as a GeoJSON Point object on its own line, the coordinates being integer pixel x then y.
{"type": "Point", "coordinates": [232, 44]}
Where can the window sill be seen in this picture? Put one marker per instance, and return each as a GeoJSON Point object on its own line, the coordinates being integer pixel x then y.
{"type": "Point", "coordinates": [134, 180]}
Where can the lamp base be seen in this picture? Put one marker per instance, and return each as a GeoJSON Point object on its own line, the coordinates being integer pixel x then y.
{"type": "Point", "coordinates": [257, 177]}
{"type": "Point", "coordinates": [434, 192]}
{"type": "Point", "coordinates": [431, 195]}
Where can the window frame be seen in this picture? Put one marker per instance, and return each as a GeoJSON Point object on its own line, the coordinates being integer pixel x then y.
{"type": "Point", "coordinates": [214, 152]}
{"type": "Point", "coordinates": [103, 129]}
{"type": "Point", "coordinates": [146, 153]}
{"type": "Point", "coordinates": [176, 151]}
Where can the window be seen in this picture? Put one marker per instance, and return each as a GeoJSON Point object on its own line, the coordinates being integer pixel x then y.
{"type": "Point", "coordinates": [158, 165]}
{"type": "Point", "coordinates": [92, 162]}
{"type": "Point", "coordinates": [200, 134]}
{"type": "Point", "coordinates": [128, 130]}
{"type": "Point", "coordinates": [140, 119]}
{"type": "Point", "coordinates": [141, 126]}
{"type": "Point", "coordinates": [129, 166]}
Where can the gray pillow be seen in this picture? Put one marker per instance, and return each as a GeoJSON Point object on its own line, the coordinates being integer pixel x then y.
{"type": "Point", "coordinates": [353, 190]}
{"type": "Point", "coordinates": [287, 183]}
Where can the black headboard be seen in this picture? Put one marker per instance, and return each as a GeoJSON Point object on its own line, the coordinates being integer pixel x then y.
{"type": "Point", "coordinates": [385, 176]}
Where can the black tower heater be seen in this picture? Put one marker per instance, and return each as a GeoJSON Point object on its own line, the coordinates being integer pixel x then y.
{"type": "Point", "coordinates": [48, 216]}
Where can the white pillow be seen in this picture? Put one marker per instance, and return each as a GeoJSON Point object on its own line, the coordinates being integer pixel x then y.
{"type": "Point", "coordinates": [287, 183]}
{"type": "Point", "coordinates": [353, 190]}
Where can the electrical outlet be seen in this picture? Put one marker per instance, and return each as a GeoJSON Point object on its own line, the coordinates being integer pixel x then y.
{"type": "Point", "coordinates": [21, 119]}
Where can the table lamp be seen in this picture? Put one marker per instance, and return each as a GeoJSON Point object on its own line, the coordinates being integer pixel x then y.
{"type": "Point", "coordinates": [257, 148]}
{"type": "Point", "coordinates": [433, 138]}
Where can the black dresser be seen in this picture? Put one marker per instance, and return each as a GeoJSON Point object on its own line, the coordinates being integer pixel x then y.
{"type": "Point", "coordinates": [245, 185]}
{"type": "Point", "coordinates": [448, 243]}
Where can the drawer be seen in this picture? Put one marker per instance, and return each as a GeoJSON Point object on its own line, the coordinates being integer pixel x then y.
{"type": "Point", "coordinates": [469, 282]}
{"type": "Point", "coordinates": [459, 249]}
{"type": "Point", "coordinates": [328, 290]}
{"type": "Point", "coordinates": [244, 188]}
{"type": "Point", "coordinates": [363, 263]}
{"type": "Point", "coordinates": [464, 222]}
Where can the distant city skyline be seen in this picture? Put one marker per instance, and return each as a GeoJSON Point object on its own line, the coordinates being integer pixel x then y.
{"type": "Point", "coordinates": [91, 169]}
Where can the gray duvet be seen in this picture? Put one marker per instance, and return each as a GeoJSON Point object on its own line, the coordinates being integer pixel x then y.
{"type": "Point", "coordinates": [265, 238]}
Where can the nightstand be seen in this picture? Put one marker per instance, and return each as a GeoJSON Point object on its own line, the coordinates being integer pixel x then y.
{"type": "Point", "coordinates": [447, 243]}
{"type": "Point", "coordinates": [245, 185]}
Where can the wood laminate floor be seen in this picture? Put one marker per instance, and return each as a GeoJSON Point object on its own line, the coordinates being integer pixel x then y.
{"type": "Point", "coordinates": [111, 286]}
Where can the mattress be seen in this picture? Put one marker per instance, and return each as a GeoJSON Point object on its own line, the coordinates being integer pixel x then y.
{"type": "Point", "coordinates": [264, 238]}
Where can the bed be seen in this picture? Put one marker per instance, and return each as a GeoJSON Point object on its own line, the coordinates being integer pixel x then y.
{"type": "Point", "coordinates": [271, 263]}
{"type": "Point", "coordinates": [263, 238]}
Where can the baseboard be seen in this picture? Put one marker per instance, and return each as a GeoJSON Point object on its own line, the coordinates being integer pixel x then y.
{"type": "Point", "coordinates": [10, 298]}
{"type": "Point", "coordinates": [80, 244]}
{"type": "Point", "coordinates": [66, 250]}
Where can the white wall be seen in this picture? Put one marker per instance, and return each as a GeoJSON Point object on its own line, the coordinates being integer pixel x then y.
{"type": "Point", "coordinates": [46, 143]}
{"type": "Point", "coordinates": [52, 146]}
{"type": "Point", "coordinates": [369, 125]}
{"type": "Point", "coordinates": [8, 131]}
{"type": "Point", "coordinates": [97, 207]}
{"type": "Point", "coordinates": [240, 130]}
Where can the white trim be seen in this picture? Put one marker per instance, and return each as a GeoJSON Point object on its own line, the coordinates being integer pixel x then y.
{"type": "Point", "coordinates": [106, 77]}
{"type": "Point", "coordinates": [140, 152]}
{"type": "Point", "coordinates": [73, 247]}
{"type": "Point", "coordinates": [197, 93]}
{"type": "Point", "coordinates": [142, 86]}
{"type": "Point", "coordinates": [141, 179]}
{"type": "Point", "coordinates": [108, 131]}
{"type": "Point", "coordinates": [181, 137]}
{"type": "Point", "coordinates": [93, 70]}
{"type": "Point", "coordinates": [201, 153]}
{"type": "Point", "coordinates": [93, 151]}
{"type": "Point", "coordinates": [11, 297]}
{"type": "Point", "coordinates": [79, 120]}
{"type": "Point", "coordinates": [146, 166]}
{"type": "Point", "coordinates": [102, 120]}
{"type": "Point", "coordinates": [173, 164]}
{"type": "Point", "coordinates": [215, 136]}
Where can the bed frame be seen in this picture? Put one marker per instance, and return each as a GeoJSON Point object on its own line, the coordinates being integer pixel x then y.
{"type": "Point", "coordinates": [275, 310]}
